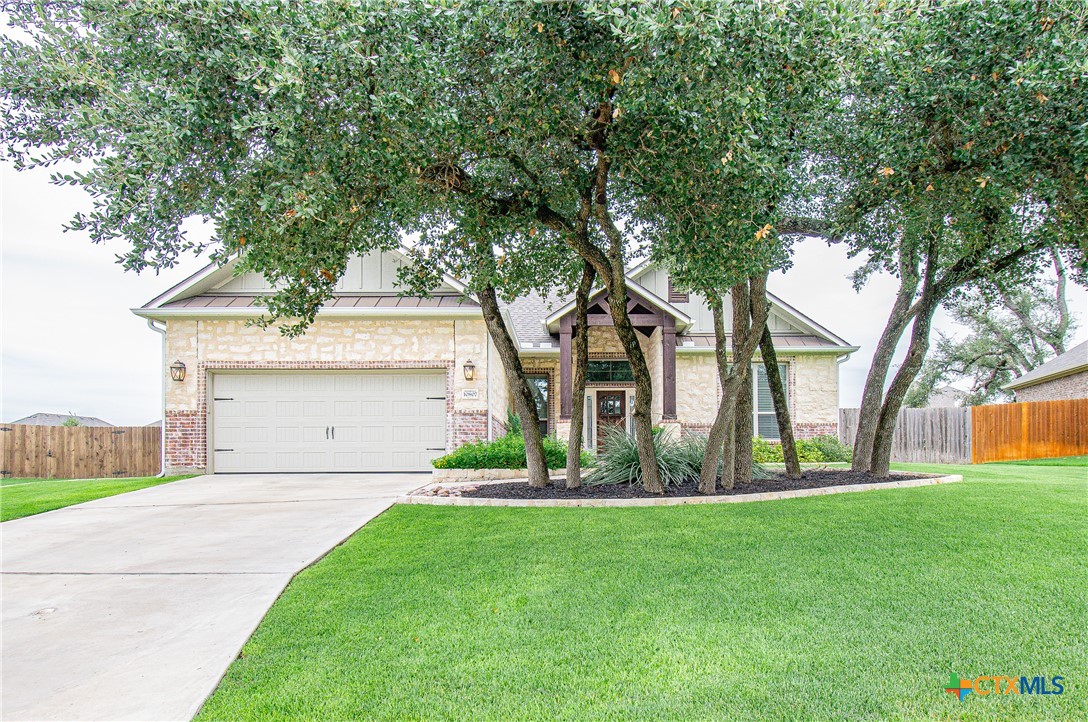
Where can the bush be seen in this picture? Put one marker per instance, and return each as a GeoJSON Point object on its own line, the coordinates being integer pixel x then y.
{"type": "Point", "coordinates": [505, 453]}
{"type": "Point", "coordinates": [678, 460]}
{"type": "Point", "coordinates": [821, 449]}
{"type": "Point", "coordinates": [831, 448]}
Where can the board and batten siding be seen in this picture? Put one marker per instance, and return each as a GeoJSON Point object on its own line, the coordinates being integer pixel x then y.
{"type": "Point", "coordinates": [656, 281]}
{"type": "Point", "coordinates": [374, 272]}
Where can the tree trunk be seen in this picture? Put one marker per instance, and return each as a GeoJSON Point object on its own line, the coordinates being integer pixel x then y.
{"type": "Point", "coordinates": [781, 405]}
{"type": "Point", "coordinates": [742, 417]}
{"type": "Point", "coordinates": [641, 412]}
{"type": "Point", "coordinates": [893, 400]}
{"type": "Point", "coordinates": [614, 275]}
{"type": "Point", "coordinates": [521, 394]}
{"type": "Point", "coordinates": [580, 352]}
{"type": "Point", "coordinates": [730, 377]}
{"type": "Point", "coordinates": [873, 395]}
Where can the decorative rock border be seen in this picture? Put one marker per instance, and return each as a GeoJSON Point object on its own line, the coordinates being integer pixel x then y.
{"type": "Point", "coordinates": [456, 476]}
{"type": "Point", "coordinates": [417, 496]}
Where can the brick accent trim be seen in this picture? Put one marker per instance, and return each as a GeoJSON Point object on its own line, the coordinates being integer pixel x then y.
{"type": "Point", "coordinates": [186, 431]}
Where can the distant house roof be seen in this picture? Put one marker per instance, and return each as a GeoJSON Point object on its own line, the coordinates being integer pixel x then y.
{"type": "Point", "coordinates": [1072, 361]}
{"type": "Point", "coordinates": [945, 396]}
{"type": "Point", "coordinates": [42, 419]}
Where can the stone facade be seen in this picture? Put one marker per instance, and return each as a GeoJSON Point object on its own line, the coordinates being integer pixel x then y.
{"type": "Point", "coordinates": [1074, 386]}
{"type": "Point", "coordinates": [206, 346]}
{"type": "Point", "coordinates": [211, 345]}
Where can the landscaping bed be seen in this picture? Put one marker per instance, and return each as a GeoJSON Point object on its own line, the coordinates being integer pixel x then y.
{"type": "Point", "coordinates": [810, 479]}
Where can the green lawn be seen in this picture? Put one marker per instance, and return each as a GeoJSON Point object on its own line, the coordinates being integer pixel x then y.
{"type": "Point", "coordinates": [23, 497]}
{"type": "Point", "coordinates": [847, 607]}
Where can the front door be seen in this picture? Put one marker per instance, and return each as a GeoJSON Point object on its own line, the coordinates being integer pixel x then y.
{"type": "Point", "coordinates": [611, 414]}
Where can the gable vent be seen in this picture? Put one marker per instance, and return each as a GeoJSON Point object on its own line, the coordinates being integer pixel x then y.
{"type": "Point", "coordinates": [676, 296]}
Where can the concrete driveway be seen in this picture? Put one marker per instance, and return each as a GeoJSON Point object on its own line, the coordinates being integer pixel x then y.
{"type": "Point", "coordinates": [132, 607]}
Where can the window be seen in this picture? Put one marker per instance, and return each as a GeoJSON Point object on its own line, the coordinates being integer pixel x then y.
{"type": "Point", "coordinates": [539, 386]}
{"type": "Point", "coordinates": [608, 372]}
{"type": "Point", "coordinates": [766, 425]}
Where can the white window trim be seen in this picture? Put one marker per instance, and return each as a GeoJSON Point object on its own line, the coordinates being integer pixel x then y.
{"type": "Point", "coordinates": [755, 394]}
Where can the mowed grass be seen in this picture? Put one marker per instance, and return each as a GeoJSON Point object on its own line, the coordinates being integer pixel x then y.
{"type": "Point", "coordinates": [847, 607]}
{"type": "Point", "coordinates": [23, 497]}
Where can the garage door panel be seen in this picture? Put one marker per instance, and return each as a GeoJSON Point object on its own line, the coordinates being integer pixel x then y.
{"type": "Point", "coordinates": [403, 433]}
{"type": "Point", "coordinates": [366, 421]}
{"type": "Point", "coordinates": [433, 435]}
{"type": "Point", "coordinates": [256, 434]}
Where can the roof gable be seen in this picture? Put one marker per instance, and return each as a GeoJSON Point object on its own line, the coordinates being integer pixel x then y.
{"type": "Point", "coordinates": [1070, 362]}
{"type": "Point", "coordinates": [783, 320]}
{"type": "Point", "coordinates": [219, 288]}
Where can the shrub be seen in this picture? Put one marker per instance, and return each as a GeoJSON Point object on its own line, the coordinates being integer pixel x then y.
{"type": "Point", "coordinates": [821, 449]}
{"type": "Point", "coordinates": [831, 448]}
{"type": "Point", "coordinates": [505, 453]}
{"type": "Point", "coordinates": [678, 460]}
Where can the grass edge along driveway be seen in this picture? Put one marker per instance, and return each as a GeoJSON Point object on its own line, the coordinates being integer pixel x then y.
{"type": "Point", "coordinates": [25, 497]}
{"type": "Point", "coordinates": [837, 607]}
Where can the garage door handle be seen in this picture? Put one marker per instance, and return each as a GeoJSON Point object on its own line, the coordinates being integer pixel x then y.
{"type": "Point", "coordinates": [224, 449]}
{"type": "Point", "coordinates": [326, 432]}
{"type": "Point", "coordinates": [437, 448]}
{"type": "Point", "coordinates": [334, 433]}
{"type": "Point", "coordinates": [436, 398]}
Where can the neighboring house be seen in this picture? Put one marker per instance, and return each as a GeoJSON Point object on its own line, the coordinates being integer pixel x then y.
{"type": "Point", "coordinates": [382, 382]}
{"type": "Point", "coordinates": [1062, 377]}
{"type": "Point", "coordinates": [60, 420]}
{"type": "Point", "coordinates": [945, 397]}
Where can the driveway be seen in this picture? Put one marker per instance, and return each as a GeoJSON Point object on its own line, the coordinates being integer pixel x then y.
{"type": "Point", "coordinates": [131, 607]}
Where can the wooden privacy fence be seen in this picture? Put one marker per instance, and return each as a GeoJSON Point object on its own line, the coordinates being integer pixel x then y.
{"type": "Point", "coordinates": [938, 436]}
{"type": "Point", "coordinates": [976, 435]}
{"type": "Point", "coordinates": [1032, 430]}
{"type": "Point", "coordinates": [79, 452]}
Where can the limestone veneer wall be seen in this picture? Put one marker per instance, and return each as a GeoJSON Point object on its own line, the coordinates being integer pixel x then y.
{"type": "Point", "coordinates": [812, 383]}
{"type": "Point", "coordinates": [329, 344]}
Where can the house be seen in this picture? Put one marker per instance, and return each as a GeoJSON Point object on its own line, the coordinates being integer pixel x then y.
{"type": "Point", "coordinates": [945, 397]}
{"type": "Point", "coordinates": [1063, 377]}
{"type": "Point", "coordinates": [384, 382]}
{"type": "Point", "coordinates": [43, 419]}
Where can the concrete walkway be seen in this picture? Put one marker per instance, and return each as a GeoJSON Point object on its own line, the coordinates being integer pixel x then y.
{"type": "Point", "coordinates": [132, 607]}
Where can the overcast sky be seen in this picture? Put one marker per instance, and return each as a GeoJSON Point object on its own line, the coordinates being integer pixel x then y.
{"type": "Point", "coordinates": [70, 343]}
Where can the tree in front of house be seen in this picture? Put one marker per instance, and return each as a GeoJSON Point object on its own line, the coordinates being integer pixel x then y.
{"type": "Point", "coordinates": [962, 160]}
{"type": "Point", "coordinates": [1011, 329]}
{"type": "Point", "coordinates": [714, 182]}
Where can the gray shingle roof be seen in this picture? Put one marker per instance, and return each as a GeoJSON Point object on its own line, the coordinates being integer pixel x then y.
{"type": "Point", "coordinates": [527, 314]}
{"type": "Point", "coordinates": [41, 419]}
{"type": "Point", "coordinates": [1072, 361]}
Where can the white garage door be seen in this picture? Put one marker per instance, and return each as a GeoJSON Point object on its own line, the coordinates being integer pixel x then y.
{"type": "Point", "coordinates": [299, 422]}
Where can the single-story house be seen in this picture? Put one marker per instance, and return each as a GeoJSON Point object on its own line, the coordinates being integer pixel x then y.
{"type": "Point", "coordinates": [1063, 377]}
{"type": "Point", "coordinates": [47, 419]}
{"type": "Point", "coordinates": [385, 382]}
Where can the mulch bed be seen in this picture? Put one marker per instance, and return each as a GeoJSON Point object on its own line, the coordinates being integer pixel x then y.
{"type": "Point", "coordinates": [810, 479]}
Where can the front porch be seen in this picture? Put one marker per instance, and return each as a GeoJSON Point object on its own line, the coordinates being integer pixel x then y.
{"type": "Point", "coordinates": [610, 387]}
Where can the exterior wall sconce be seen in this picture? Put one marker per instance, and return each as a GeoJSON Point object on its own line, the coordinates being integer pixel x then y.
{"type": "Point", "coordinates": [177, 371]}
{"type": "Point", "coordinates": [470, 370]}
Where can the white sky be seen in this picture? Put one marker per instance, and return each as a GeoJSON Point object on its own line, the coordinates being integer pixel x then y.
{"type": "Point", "coordinates": [70, 344]}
